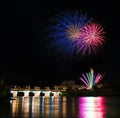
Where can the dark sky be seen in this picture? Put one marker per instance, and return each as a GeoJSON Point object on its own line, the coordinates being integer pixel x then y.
{"type": "Point", "coordinates": [25, 56]}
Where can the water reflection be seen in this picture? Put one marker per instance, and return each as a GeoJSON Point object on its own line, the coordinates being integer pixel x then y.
{"type": "Point", "coordinates": [65, 107]}
{"type": "Point", "coordinates": [34, 107]}
{"type": "Point", "coordinates": [92, 107]}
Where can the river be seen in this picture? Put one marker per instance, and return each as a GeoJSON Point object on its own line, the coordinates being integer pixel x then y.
{"type": "Point", "coordinates": [62, 107]}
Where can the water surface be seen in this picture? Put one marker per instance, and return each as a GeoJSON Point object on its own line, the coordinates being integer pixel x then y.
{"type": "Point", "coordinates": [62, 107]}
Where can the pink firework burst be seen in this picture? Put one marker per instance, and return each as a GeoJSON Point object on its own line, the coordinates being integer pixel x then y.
{"type": "Point", "coordinates": [92, 38]}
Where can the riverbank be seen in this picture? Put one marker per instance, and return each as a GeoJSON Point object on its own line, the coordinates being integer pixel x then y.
{"type": "Point", "coordinates": [92, 92]}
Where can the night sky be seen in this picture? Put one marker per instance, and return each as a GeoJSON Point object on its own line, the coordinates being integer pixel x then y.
{"type": "Point", "coordinates": [24, 50]}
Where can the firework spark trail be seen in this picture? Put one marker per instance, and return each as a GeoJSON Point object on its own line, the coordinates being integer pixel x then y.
{"type": "Point", "coordinates": [88, 75]}
{"type": "Point", "coordinates": [68, 45]}
{"type": "Point", "coordinates": [90, 79]}
{"type": "Point", "coordinates": [85, 81]}
{"type": "Point", "coordinates": [98, 77]}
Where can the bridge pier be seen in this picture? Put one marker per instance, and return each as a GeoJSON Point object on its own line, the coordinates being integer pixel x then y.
{"type": "Point", "coordinates": [14, 93]}
{"type": "Point", "coordinates": [26, 93]}
{"type": "Point", "coordinates": [36, 93]}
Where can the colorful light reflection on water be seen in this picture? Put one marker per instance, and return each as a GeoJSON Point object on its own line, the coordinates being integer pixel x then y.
{"type": "Point", "coordinates": [92, 107]}
{"type": "Point", "coordinates": [63, 107]}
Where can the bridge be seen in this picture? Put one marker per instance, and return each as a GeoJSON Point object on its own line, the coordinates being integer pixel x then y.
{"type": "Point", "coordinates": [35, 92]}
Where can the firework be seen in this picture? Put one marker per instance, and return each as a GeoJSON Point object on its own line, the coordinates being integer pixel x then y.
{"type": "Point", "coordinates": [66, 30]}
{"type": "Point", "coordinates": [92, 38]}
{"type": "Point", "coordinates": [90, 79]}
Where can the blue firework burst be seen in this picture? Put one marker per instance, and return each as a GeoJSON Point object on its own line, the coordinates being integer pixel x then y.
{"type": "Point", "coordinates": [66, 30]}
